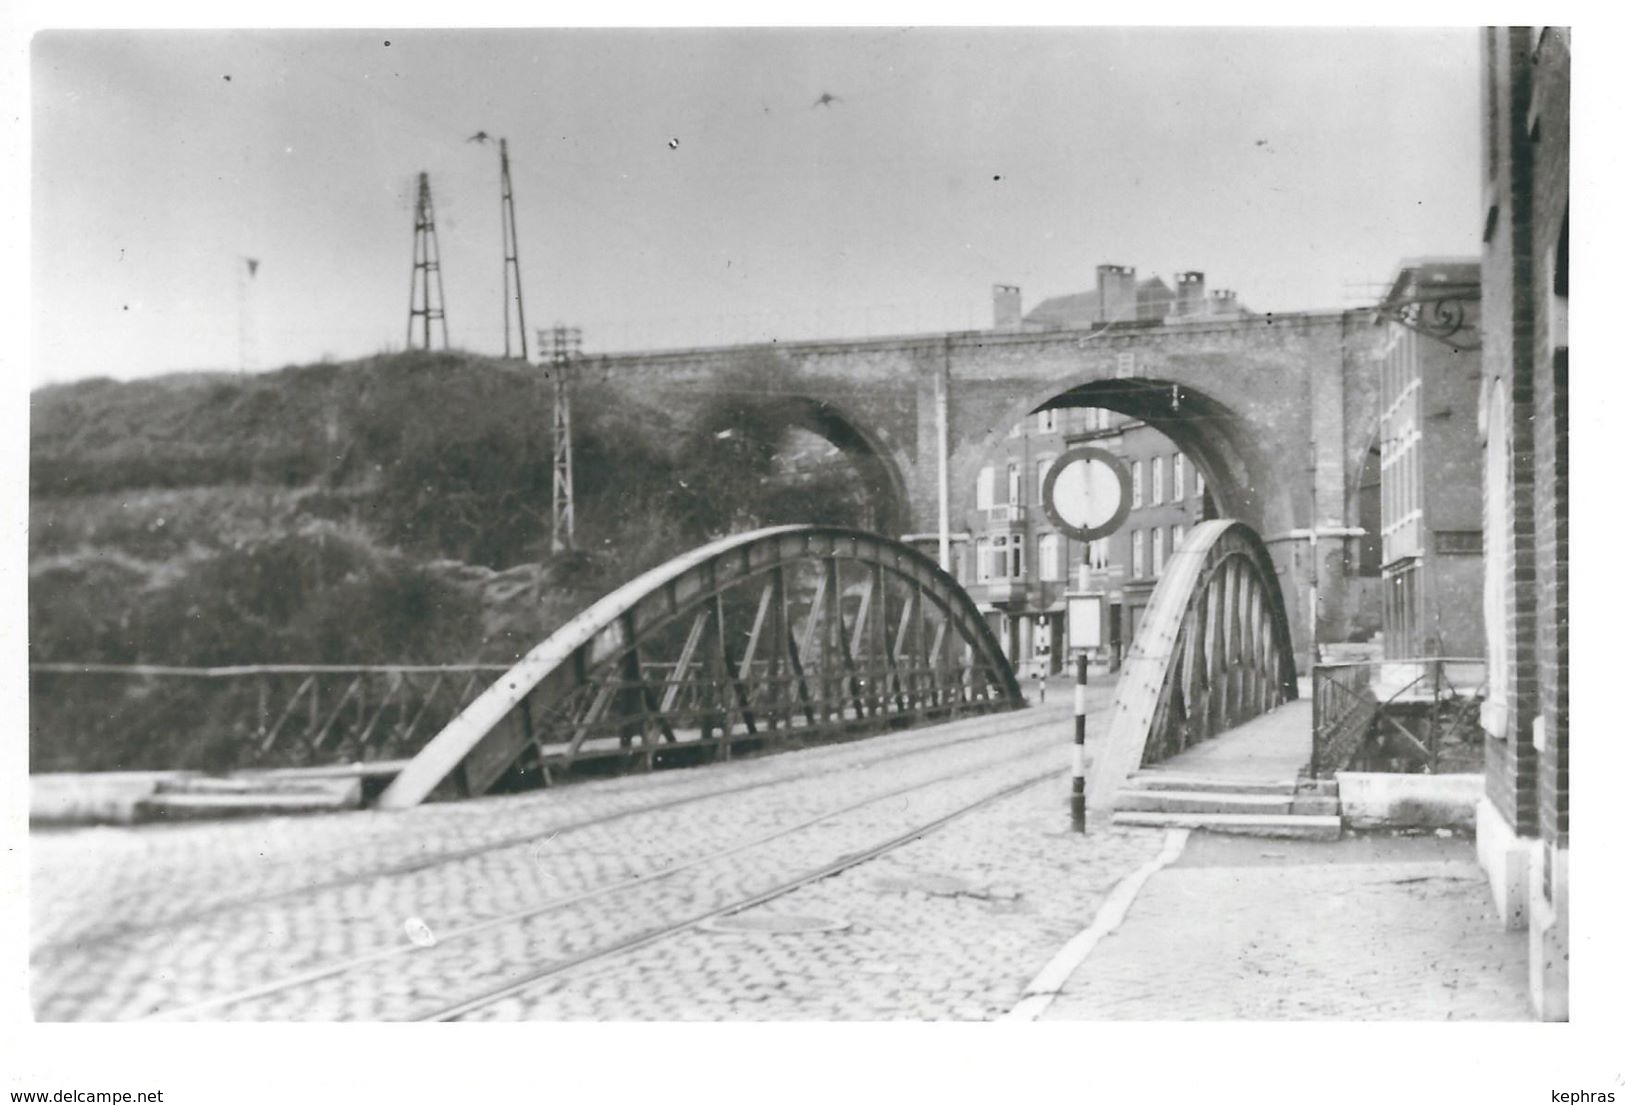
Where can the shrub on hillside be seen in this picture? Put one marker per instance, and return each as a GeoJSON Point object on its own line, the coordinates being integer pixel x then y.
{"type": "Point", "coordinates": [321, 595]}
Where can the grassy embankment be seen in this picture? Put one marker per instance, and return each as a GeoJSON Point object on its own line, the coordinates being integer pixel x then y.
{"type": "Point", "coordinates": [391, 510]}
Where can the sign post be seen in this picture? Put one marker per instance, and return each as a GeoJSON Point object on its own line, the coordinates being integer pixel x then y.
{"type": "Point", "coordinates": [1080, 724]}
{"type": "Point", "coordinates": [1086, 496]}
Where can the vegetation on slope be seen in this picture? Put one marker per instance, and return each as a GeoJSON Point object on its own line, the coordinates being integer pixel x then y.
{"type": "Point", "coordinates": [392, 510]}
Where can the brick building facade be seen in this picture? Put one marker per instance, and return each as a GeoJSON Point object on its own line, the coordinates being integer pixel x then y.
{"type": "Point", "coordinates": [1523, 832]}
{"type": "Point", "coordinates": [1430, 460]}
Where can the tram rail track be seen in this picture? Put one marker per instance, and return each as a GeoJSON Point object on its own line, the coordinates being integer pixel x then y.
{"type": "Point", "coordinates": [448, 938]}
{"type": "Point", "coordinates": [474, 1004]}
{"type": "Point", "coordinates": [78, 943]}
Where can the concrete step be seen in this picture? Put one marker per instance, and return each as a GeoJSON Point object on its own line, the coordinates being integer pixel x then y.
{"type": "Point", "coordinates": [1215, 801]}
{"type": "Point", "coordinates": [1200, 801]}
{"type": "Point", "coordinates": [1244, 824]}
{"type": "Point", "coordinates": [1161, 780]}
{"type": "Point", "coordinates": [215, 801]}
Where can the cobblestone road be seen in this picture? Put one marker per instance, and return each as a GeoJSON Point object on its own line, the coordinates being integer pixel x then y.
{"type": "Point", "coordinates": [950, 927]}
{"type": "Point", "coordinates": [131, 922]}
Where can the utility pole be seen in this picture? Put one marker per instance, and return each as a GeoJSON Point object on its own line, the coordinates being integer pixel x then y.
{"type": "Point", "coordinates": [566, 343]}
{"type": "Point", "coordinates": [944, 557]}
{"type": "Point", "coordinates": [511, 291]}
{"type": "Point", "coordinates": [428, 302]}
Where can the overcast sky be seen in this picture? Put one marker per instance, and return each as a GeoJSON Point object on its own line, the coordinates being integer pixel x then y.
{"type": "Point", "coordinates": [681, 187]}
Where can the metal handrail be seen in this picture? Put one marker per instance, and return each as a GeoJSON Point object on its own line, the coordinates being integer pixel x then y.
{"type": "Point", "coordinates": [273, 714]}
{"type": "Point", "coordinates": [1337, 702]}
{"type": "Point", "coordinates": [257, 669]}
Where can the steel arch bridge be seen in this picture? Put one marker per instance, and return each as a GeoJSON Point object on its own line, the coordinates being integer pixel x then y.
{"type": "Point", "coordinates": [763, 638]}
{"type": "Point", "coordinates": [1213, 650]}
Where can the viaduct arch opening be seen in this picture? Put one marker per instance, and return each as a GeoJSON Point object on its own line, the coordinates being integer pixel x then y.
{"type": "Point", "coordinates": [1178, 432]}
{"type": "Point", "coordinates": [766, 427]}
{"type": "Point", "coordinates": [1213, 436]}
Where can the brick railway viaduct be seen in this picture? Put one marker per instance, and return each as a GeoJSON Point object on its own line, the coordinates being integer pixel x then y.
{"type": "Point", "coordinates": [1278, 411]}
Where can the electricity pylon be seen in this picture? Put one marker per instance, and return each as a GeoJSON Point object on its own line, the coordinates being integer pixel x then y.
{"type": "Point", "coordinates": [428, 300]}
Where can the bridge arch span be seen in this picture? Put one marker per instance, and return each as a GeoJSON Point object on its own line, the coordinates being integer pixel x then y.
{"type": "Point", "coordinates": [776, 635]}
{"type": "Point", "coordinates": [1213, 651]}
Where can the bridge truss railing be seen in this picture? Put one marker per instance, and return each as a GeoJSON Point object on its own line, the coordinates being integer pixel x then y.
{"type": "Point", "coordinates": [257, 715]}
{"type": "Point", "coordinates": [780, 635]}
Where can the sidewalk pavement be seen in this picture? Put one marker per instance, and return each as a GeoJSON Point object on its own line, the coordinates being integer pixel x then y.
{"type": "Point", "coordinates": [1270, 748]}
{"type": "Point", "coordinates": [1368, 928]}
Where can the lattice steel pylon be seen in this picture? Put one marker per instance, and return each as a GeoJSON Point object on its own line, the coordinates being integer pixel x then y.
{"type": "Point", "coordinates": [565, 344]}
{"type": "Point", "coordinates": [428, 299]}
{"type": "Point", "coordinates": [512, 292]}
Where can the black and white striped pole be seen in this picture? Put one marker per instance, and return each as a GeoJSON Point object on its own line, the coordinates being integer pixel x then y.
{"type": "Point", "coordinates": [1079, 730]}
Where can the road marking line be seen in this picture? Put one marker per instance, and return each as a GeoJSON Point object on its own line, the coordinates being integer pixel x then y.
{"type": "Point", "coordinates": [1046, 985]}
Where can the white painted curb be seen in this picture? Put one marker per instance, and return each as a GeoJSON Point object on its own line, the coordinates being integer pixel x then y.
{"type": "Point", "coordinates": [1046, 985]}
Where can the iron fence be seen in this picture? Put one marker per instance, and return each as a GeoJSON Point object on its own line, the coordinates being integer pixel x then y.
{"type": "Point", "coordinates": [1411, 715]}
{"type": "Point", "coordinates": [108, 716]}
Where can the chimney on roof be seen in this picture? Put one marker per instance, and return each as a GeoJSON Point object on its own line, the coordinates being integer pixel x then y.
{"type": "Point", "coordinates": [1006, 307]}
{"type": "Point", "coordinates": [1190, 291]}
{"type": "Point", "coordinates": [1114, 287]}
{"type": "Point", "coordinates": [1224, 301]}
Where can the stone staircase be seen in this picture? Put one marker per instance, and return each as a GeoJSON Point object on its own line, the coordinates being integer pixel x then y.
{"type": "Point", "coordinates": [1305, 809]}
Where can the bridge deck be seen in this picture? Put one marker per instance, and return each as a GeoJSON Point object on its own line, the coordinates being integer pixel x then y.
{"type": "Point", "coordinates": [1272, 747]}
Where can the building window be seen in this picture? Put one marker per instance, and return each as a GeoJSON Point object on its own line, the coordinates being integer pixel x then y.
{"type": "Point", "coordinates": [1100, 557]}
{"type": "Point", "coordinates": [1179, 477]}
{"type": "Point", "coordinates": [1049, 558]}
{"type": "Point", "coordinates": [1013, 482]}
{"type": "Point", "coordinates": [1046, 422]}
{"type": "Point", "coordinates": [1201, 484]}
{"type": "Point", "coordinates": [984, 488]}
{"type": "Point", "coordinates": [1402, 612]}
{"type": "Point", "coordinates": [1136, 555]}
{"type": "Point", "coordinates": [1401, 437]}
{"type": "Point", "coordinates": [1156, 551]}
{"type": "Point", "coordinates": [1156, 479]}
{"type": "Point", "coordinates": [1176, 538]}
{"type": "Point", "coordinates": [1135, 480]}
{"type": "Point", "coordinates": [998, 557]}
